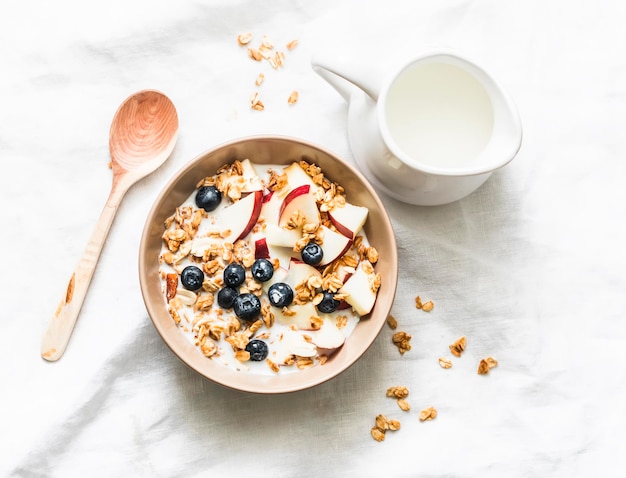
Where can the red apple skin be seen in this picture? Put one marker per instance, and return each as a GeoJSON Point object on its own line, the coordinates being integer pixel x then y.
{"type": "Point", "coordinates": [341, 228]}
{"type": "Point", "coordinates": [256, 212]}
{"type": "Point", "coordinates": [304, 189]}
{"type": "Point", "coordinates": [343, 305]}
{"type": "Point", "coordinates": [344, 228]}
{"type": "Point", "coordinates": [267, 196]}
{"type": "Point", "coordinates": [325, 261]}
{"type": "Point", "coordinates": [261, 251]}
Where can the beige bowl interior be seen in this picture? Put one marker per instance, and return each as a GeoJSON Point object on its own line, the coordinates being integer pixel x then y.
{"type": "Point", "coordinates": [268, 150]}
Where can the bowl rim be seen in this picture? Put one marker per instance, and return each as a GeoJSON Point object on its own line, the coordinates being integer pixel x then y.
{"type": "Point", "coordinates": [259, 383]}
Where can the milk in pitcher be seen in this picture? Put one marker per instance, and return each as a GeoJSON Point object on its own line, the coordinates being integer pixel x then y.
{"type": "Point", "coordinates": [439, 115]}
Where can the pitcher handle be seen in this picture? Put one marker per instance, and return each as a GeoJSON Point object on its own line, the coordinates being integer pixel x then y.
{"type": "Point", "coordinates": [341, 74]}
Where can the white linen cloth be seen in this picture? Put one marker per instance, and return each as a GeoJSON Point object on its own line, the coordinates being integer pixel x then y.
{"type": "Point", "coordinates": [530, 268]}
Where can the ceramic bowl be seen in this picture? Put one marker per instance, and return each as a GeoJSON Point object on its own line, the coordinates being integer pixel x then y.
{"type": "Point", "coordinates": [268, 150]}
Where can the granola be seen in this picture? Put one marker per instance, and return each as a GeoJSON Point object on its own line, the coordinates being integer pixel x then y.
{"type": "Point", "coordinates": [486, 364]}
{"type": "Point", "coordinates": [402, 340]}
{"type": "Point", "coordinates": [381, 425]}
{"type": "Point", "coordinates": [445, 362]}
{"type": "Point", "coordinates": [425, 306]}
{"type": "Point", "coordinates": [428, 414]}
{"type": "Point", "coordinates": [458, 347]}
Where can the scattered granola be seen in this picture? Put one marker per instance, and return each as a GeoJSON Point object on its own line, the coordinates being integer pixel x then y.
{"type": "Point", "coordinates": [445, 362]}
{"type": "Point", "coordinates": [394, 425]}
{"type": "Point", "coordinates": [486, 365]}
{"type": "Point", "coordinates": [377, 433]}
{"type": "Point", "coordinates": [402, 340]}
{"type": "Point", "coordinates": [428, 306]}
{"type": "Point", "coordinates": [404, 405]}
{"type": "Point", "coordinates": [244, 38]}
{"type": "Point", "coordinates": [265, 51]}
{"type": "Point", "coordinates": [293, 98]}
{"type": "Point", "coordinates": [382, 425]}
{"type": "Point", "coordinates": [256, 103]}
{"type": "Point", "coordinates": [398, 391]}
{"type": "Point", "coordinates": [255, 54]}
{"type": "Point", "coordinates": [428, 414]}
{"type": "Point", "coordinates": [458, 347]}
{"type": "Point", "coordinates": [277, 59]}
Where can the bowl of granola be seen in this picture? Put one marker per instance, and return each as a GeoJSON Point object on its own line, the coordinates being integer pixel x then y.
{"type": "Point", "coordinates": [268, 264]}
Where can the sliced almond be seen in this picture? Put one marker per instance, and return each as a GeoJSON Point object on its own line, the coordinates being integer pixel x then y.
{"type": "Point", "coordinates": [186, 296]}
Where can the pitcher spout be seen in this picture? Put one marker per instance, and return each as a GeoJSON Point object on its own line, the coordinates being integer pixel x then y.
{"type": "Point", "coordinates": [344, 75]}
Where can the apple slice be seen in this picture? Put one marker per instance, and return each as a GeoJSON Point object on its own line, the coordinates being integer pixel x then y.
{"type": "Point", "coordinates": [283, 254]}
{"type": "Point", "coordinates": [264, 250]}
{"type": "Point", "coordinates": [279, 236]}
{"type": "Point", "coordinates": [300, 271]}
{"type": "Point", "coordinates": [344, 272]}
{"type": "Point", "coordinates": [239, 218]}
{"type": "Point", "coordinates": [334, 245]}
{"type": "Point", "coordinates": [252, 181]}
{"type": "Point", "coordinates": [349, 219]}
{"type": "Point", "coordinates": [329, 338]}
{"type": "Point", "coordinates": [299, 315]}
{"type": "Point", "coordinates": [296, 177]}
{"type": "Point", "coordinates": [293, 343]}
{"type": "Point", "coordinates": [358, 289]}
{"type": "Point", "coordinates": [271, 207]}
{"type": "Point", "coordinates": [248, 181]}
{"type": "Point", "coordinates": [299, 199]}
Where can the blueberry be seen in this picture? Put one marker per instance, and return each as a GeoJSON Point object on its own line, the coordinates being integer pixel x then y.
{"type": "Point", "coordinates": [234, 275]}
{"type": "Point", "coordinates": [192, 278]}
{"type": "Point", "coordinates": [312, 254]}
{"type": "Point", "coordinates": [280, 294]}
{"type": "Point", "coordinates": [247, 306]}
{"type": "Point", "coordinates": [262, 270]}
{"type": "Point", "coordinates": [208, 198]}
{"type": "Point", "coordinates": [328, 304]}
{"type": "Point", "coordinates": [258, 350]}
{"type": "Point", "coordinates": [226, 297]}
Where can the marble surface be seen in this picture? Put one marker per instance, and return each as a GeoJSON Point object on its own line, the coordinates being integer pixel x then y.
{"type": "Point", "coordinates": [530, 268]}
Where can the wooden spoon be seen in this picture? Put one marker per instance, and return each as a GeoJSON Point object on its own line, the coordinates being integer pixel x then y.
{"type": "Point", "coordinates": [143, 134]}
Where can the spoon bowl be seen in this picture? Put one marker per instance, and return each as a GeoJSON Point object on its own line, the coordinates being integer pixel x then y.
{"type": "Point", "coordinates": [143, 134]}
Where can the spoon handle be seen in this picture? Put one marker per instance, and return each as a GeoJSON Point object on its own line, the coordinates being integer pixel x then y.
{"type": "Point", "coordinates": [60, 328]}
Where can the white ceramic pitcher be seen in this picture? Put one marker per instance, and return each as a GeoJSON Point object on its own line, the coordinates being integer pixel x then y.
{"type": "Point", "coordinates": [430, 133]}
